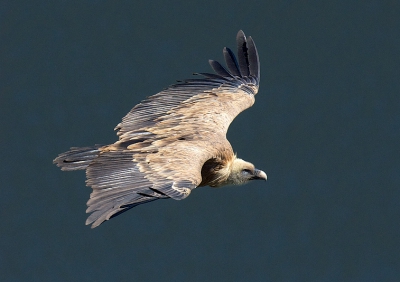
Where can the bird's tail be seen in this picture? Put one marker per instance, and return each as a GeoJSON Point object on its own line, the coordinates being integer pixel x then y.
{"type": "Point", "coordinates": [77, 158]}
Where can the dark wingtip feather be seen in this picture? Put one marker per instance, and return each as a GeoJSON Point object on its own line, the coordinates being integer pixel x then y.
{"type": "Point", "coordinates": [254, 61]}
{"type": "Point", "coordinates": [219, 69]}
{"type": "Point", "coordinates": [231, 62]}
{"type": "Point", "coordinates": [77, 158]}
{"type": "Point", "coordinates": [246, 63]}
{"type": "Point", "coordinates": [242, 53]}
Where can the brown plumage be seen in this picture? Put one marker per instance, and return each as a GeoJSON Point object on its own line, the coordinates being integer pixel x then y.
{"type": "Point", "coordinates": [174, 141]}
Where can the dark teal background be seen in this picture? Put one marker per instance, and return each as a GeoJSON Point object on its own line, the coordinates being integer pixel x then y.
{"type": "Point", "coordinates": [325, 128]}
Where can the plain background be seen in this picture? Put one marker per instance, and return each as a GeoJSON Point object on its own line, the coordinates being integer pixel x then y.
{"type": "Point", "coordinates": [325, 128]}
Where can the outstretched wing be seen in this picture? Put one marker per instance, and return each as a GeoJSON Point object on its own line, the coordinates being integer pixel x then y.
{"type": "Point", "coordinates": [216, 99]}
{"type": "Point", "coordinates": [165, 140]}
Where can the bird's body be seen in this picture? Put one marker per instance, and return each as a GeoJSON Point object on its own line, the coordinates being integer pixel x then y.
{"type": "Point", "coordinates": [173, 141]}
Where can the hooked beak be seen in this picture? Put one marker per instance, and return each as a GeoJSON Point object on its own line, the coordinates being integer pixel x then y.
{"type": "Point", "coordinates": [259, 175]}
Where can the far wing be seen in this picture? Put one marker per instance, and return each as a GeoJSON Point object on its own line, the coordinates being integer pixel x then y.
{"type": "Point", "coordinates": [209, 103]}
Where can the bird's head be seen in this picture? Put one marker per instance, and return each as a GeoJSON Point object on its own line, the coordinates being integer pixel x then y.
{"type": "Point", "coordinates": [242, 172]}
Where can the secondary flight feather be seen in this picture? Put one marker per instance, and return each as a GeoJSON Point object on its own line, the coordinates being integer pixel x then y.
{"type": "Point", "coordinates": [173, 141]}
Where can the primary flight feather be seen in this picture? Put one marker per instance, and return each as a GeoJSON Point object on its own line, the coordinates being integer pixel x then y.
{"type": "Point", "coordinates": [173, 141]}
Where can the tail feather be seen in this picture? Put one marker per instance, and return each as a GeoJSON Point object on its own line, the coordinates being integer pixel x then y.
{"type": "Point", "coordinates": [77, 158]}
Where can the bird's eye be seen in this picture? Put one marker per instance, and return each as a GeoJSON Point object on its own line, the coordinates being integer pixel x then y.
{"type": "Point", "coordinates": [246, 171]}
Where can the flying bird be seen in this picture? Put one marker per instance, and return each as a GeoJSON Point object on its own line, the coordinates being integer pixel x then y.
{"type": "Point", "coordinates": [173, 141]}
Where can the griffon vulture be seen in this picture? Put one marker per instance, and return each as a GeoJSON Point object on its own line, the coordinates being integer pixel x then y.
{"type": "Point", "coordinates": [173, 141]}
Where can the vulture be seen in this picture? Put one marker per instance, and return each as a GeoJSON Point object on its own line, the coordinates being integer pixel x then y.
{"type": "Point", "coordinates": [173, 141]}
